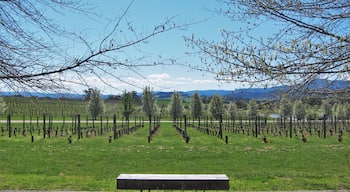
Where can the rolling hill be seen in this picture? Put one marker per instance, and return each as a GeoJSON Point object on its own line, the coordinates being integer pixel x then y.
{"type": "Point", "coordinates": [238, 94]}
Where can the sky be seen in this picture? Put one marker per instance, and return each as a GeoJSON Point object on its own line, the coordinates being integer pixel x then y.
{"type": "Point", "coordinates": [144, 16]}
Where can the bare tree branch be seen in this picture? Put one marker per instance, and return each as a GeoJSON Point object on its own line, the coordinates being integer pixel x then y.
{"type": "Point", "coordinates": [312, 42]}
{"type": "Point", "coordinates": [32, 56]}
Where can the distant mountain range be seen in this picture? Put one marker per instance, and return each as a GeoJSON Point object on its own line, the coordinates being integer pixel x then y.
{"type": "Point", "coordinates": [263, 93]}
{"type": "Point", "coordinates": [42, 95]}
{"type": "Point", "coordinates": [237, 94]}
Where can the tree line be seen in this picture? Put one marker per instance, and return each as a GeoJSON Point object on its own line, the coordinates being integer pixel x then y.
{"type": "Point", "coordinates": [307, 108]}
{"type": "Point", "coordinates": [129, 104]}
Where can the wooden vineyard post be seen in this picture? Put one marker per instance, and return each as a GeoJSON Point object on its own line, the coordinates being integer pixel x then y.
{"type": "Point", "coordinates": [206, 121]}
{"type": "Point", "coordinates": [324, 126]}
{"type": "Point", "coordinates": [50, 126]}
{"type": "Point", "coordinates": [63, 127]}
{"type": "Point", "coordinates": [199, 122]}
{"type": "Point", "coordinates": [135, 121]}
{"type": "Point", "coordinates": [154, 122]}
{"type": "Point", "coordinates": [142, 121]}
{"type": "Point", "coordinates": [24, 122]}
{"type": "Point", "coordinates": [220, 127]}
{"type": "Point", "coordinates": [9, 124]}
{"type": "Point", "coordinates": [241, 124]}
{"type": "Point", "coordinates": [187, 138]}
{"type": "Point", "coordinates": [128, 124]}
{"type": "Point", "coordinates": [93, 125]}
{"type": "Point", "coordinates": [114, 126]}
{"type": "Point", "coordinates": [74, 123]}
{"type": "Point", "coordinates": [185, 125]}
{"type": "Point", "coordinates": [149, 128]}
{"type": "Point", "coordinates": [256, 126]}
{"type": "Point", "coordinates": [335, 123]}
{"type": "Point", "coordinates": [290, 127]}
{"type": "Point", "coordinates": [30, 121]}
{"type": "Point", "coordinates": [101, 127]}
{"type": "Point", "coordinates": [159, 119]}
{"type": "Point", "coordinates": [122, 122]}
{"type": "Point", "coordinates": [37, 125]}
{"type": "Point", "coordinates": [178, 122]}
{"type": "Point", "coordinates": [79, 128]}
{"type": "Point", "coordinates": [107, 123]}
{"type": "Point", "coordinates": [44, 125]}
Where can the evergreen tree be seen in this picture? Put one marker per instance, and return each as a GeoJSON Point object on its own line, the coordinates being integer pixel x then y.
{"type": "Point", "coordinates": [252, 108]}
{"type": "Point", "coordinates": [338, 110]}
{"type": "Point", "coordinates": [148, 102]}
{"type": "Point", "coordinates": [96, 105]}
{"type": "Point", "coordinates": [285, 107]}
{"type": "Point", "coordinates": [299, 110]}
{"type": "Point", "coordinates": [196, 106]}
{"type": "Point", "coordinates": [127, 103]}
{"type": "Point", "coordinates": [175, 108]}
{"type": "Point", "coordinates": [326, 108]}
{"type": "Point", "coordinates": [216, 106]}
{"type": "Point", "coordinates": [232, 110]}
{"type": "Point", "coordinates": [346, 108]}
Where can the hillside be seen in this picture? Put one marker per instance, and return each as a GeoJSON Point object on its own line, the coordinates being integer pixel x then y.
{"type": "Point", "coordinates": [237, 94]}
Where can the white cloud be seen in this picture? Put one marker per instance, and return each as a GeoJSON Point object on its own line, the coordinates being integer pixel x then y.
{"type": "Point", "coordinates": [161, 81]}
{"type": "Point", "coordinates": [204, 81]}
{"type": "Point", "coordinates": [158, 81]}
{"type": "Point", "coordinates": [183, 79]}
{"type": "Point", "coordinates": [158, 76]}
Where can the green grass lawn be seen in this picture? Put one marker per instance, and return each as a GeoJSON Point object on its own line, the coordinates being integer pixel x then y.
{"type": "Point", "coordinates": [92, 164]}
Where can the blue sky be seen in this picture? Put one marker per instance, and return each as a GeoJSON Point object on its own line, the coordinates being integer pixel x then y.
{"type": "Point", "coordinates": [144, 15]}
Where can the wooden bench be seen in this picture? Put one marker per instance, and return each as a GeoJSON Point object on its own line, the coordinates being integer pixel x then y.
{"type": "Point", "coordinates": [173, 181]}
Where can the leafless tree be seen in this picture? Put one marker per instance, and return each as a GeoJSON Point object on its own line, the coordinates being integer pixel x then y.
{"type": "Point", "coordinates": [32, 55]}
{"type": "Point", "coordinates": [312, 42]}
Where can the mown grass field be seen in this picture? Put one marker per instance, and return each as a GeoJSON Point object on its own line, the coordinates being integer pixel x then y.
{"type": "Point", "coordinates": [92, 164]}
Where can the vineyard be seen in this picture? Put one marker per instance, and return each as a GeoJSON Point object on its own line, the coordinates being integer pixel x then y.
{"type": "Point", "coordinates": [58, 108]}
{"type": "Point", "coordinates": [66, 117]}
{"type": "Point", "coordinates": [66, 150]}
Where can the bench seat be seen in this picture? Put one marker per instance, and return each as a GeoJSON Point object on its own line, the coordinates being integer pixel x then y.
{"type": "Point", "coordinates": [173, 181]}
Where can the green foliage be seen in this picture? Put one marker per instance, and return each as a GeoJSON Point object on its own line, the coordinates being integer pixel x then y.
{"type": "Point", "coordinates": [342, 110]}
{"type": "Point", "coordinates": [312, 113]}
{"type": "Point", "coordinates": [216, 106]}
{"type": "Point", "coordinates": [252, 108]}
{"type": "Point", "coordinates": [196, 106]}
{"type": "Point", "coordinates": [127, 105]}
{"type": "Point", "coordinates": [175, 106]}
{"type": "Point", "coordinates": [232, 110]}
{"type": "Point", "coordinates": [326, 108]}
{"type": "Point", "coordinates": [95, 105]}
{"type": "Point", "coordinates": [285, 107]}
{"type": "Point", "coordinates": [3, 106]}
{"type": "Point", "coordinates": [299, 110]}
{"type": "Point", "coordinates": [148, 102]}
